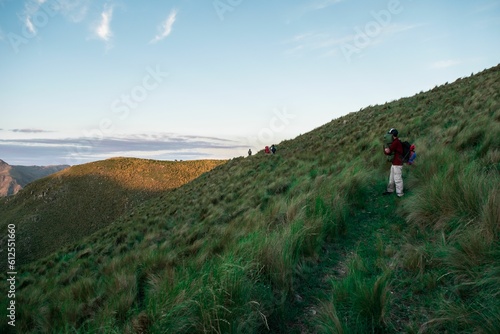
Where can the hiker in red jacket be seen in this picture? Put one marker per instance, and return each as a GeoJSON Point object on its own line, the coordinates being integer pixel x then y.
{"type": "Point", "coordinates": [396, 176]}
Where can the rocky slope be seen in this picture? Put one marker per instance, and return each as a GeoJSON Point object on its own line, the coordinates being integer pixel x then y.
{"type": "Point", "coordinates": [15, 178]}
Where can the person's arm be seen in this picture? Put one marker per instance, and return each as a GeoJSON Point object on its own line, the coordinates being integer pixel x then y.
{"type": "Point", "coordinates": [391, 148]}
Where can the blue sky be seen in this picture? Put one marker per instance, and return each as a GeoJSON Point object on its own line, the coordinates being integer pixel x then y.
{"type": "Point", "coordinates": [86, 80]}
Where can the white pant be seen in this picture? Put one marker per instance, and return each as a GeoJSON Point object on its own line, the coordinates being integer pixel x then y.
{"type": "Point", "coordinates": [396, 178]}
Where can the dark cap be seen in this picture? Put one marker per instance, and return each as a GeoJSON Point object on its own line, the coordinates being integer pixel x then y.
{"type": "Point", "coordinates": [393, 132]}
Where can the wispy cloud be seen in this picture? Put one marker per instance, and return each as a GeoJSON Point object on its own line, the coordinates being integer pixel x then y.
{"type": "Point", "coordinates": [329, 44]}
{"type": "Point", "coordinates": [74, 10]}
{"type": "Point", "coordinates": [103, 30]}
{"type": "Point", "coordinates": [322, 4]}
{"type": "Point", "coordinates": [297, 12]}
{"type": "Point", "coordinates": [165, 28]}
{"type": "Point", "coordinates": [30, 131]}
{"type": "Point", "coordinates": [31, 7]}
{"type": "Point", "coordinates": [323, 44]}
{"type": "Point", "coordinates": [30, 25]}
{"type": "Point", "coordinates": [445, 63]}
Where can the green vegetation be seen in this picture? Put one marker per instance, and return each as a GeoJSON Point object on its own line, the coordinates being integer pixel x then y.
{"type": "Point", "coordinates": [67, 206]}
{"type": "Point", "coordinates": [302, 241]}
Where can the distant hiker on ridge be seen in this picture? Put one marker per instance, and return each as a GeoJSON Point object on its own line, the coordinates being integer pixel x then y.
{"type": "Point", "coordinates": [249, 152]}
{"type": "Point", "coordinates": [396, 176]}
{"type": "Point", "coordinates": [267, 150]}
{"type": "Point", "coordinates": [273, 148]}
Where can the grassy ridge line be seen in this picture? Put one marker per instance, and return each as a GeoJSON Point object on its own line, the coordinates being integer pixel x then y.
{"type": "Point", "coordinates": [227, 252]}
{"type": "Point", "coordinates": [76, 202]}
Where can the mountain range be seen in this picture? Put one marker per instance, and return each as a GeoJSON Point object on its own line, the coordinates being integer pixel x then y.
{"type": "Point", "coordinates": [14, 178]}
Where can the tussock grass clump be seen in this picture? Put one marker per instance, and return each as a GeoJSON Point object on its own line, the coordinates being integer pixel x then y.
{"type": "Point", "coordinates": [416, 259]}
{"type": "Point", "coordinates": [454, 192]}
{"type": "Point", "coordinates": [329, 321]}
{"type": "Point", "coordinates": [222, 297]}
{"type": "Point", "coordinates": [361, 299]}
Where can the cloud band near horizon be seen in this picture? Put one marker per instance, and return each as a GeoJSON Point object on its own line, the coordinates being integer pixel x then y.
{"type": "Point", "coordinates": [81, 150]}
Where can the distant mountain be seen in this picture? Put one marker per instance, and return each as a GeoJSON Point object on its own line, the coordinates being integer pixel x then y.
{"type": "Point", "coordinates": [15, 178]}
{"type": "Point", "coordinates": [80, 200]}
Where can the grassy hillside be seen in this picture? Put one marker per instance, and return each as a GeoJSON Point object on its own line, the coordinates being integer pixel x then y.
{"type": "Point", "coordinates": [302, 241]}
{"type": "Point", "coordinates": [78, 201]}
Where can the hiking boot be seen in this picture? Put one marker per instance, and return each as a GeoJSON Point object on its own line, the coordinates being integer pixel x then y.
{"type": "Point", "coordinates": [386, 193]}
{"type": "Point", "coordinates": [400, 195]}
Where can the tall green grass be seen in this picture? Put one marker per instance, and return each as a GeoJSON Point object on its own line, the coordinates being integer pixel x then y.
{"type": "Point", "coordinates": [456, 206]}
{"type": "Point", "coordinates": [361, 300]}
